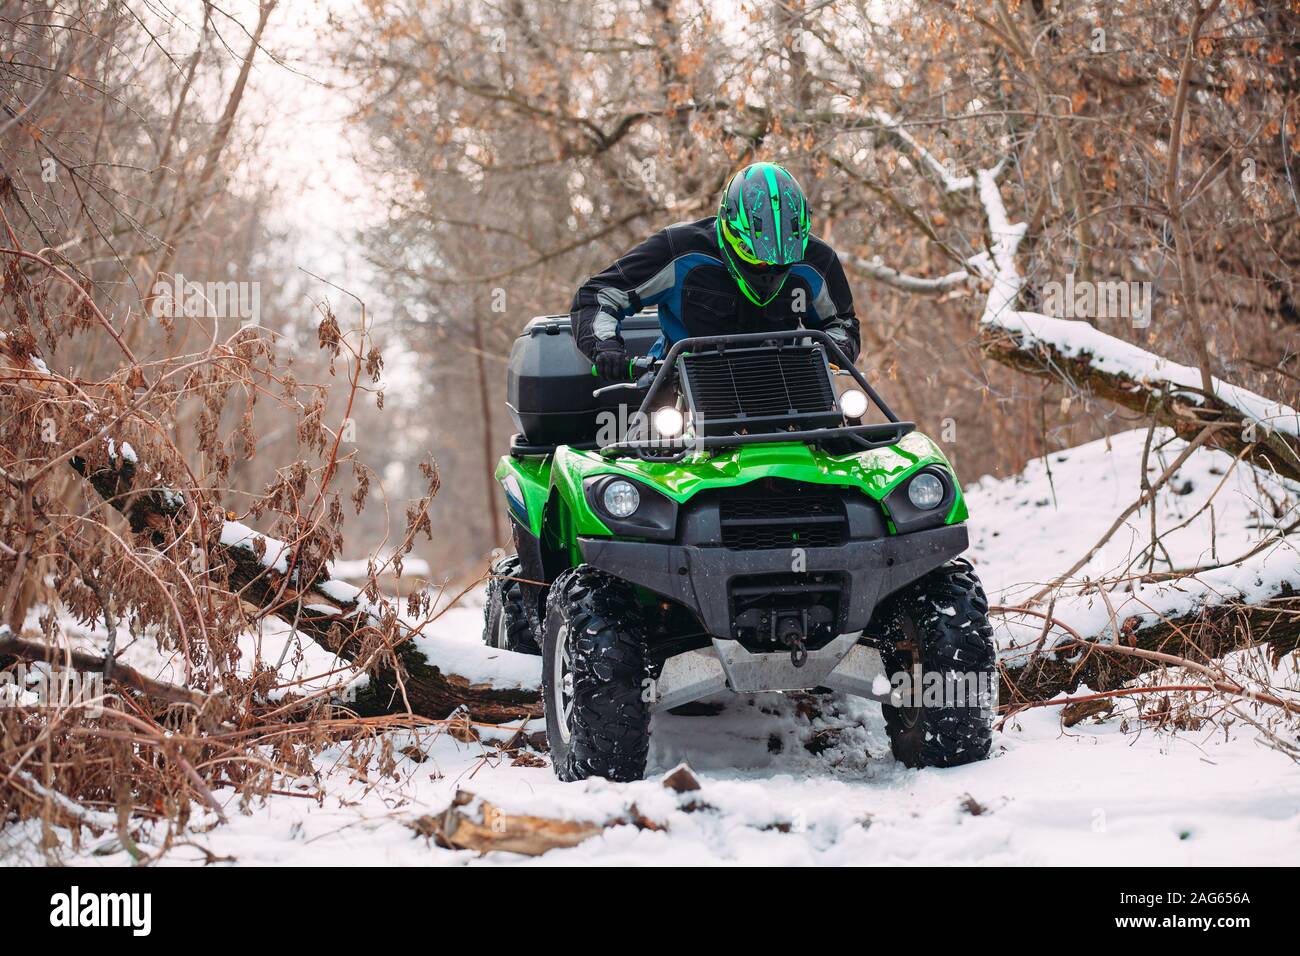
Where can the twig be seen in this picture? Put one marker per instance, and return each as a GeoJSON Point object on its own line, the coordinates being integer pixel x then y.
{"type": "Point", "coordinates": [1118, 523]}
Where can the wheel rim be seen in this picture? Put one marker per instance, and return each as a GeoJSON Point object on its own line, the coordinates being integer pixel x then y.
{"type": "Point", "coordinates": [562, 681]}
{"type": "Point", "coordinates": [909, 717]}
{"type": "Point", "coordinates": [503, 631]}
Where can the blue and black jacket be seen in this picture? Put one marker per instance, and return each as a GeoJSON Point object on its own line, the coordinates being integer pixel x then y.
{"type": "Point", "coordinates": [681, 271]}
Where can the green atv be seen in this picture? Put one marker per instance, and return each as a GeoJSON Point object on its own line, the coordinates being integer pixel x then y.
{"type": "Point", "coordinates": [740, 527]}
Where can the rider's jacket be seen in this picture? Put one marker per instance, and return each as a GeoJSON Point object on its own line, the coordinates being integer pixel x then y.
{"type": "Point", "coordinates": [680, 271]}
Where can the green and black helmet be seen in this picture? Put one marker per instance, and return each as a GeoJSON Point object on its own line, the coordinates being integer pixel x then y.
{"type": "Point", "coordinates": [763, 229]}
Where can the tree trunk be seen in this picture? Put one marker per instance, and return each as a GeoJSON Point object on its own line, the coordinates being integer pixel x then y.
{"type": "Point", "coordinates": [489, 453]}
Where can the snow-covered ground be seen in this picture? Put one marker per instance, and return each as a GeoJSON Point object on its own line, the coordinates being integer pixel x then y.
{"type": "Point", "coordinates": [795, 779]}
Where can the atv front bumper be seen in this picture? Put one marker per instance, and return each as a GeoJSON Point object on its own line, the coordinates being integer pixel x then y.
{"type": "Point", "coordinates": [700, 577]}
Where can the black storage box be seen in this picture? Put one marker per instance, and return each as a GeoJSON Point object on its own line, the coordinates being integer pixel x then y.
{"type": "Point", "coordinates": [549, 382]}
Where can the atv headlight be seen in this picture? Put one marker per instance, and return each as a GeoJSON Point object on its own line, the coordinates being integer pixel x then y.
{"type": "Point", "coordinates": [925, 491]}
{"type": "Point", "coordinates": [621, 498]}
{"type": "Point", "coordinates": [853, 403]}
{"type": "Point", "coordinates": [627, 507]}
{"type": "Point", "coordinates": [669, 422]}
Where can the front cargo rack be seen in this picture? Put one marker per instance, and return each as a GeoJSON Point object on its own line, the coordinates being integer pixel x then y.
{"type": "Point", "coordinates": [763, 389]}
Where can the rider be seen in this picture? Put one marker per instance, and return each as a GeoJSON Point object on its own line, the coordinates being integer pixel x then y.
{"type": "Point", "coordinates": [751, 268]}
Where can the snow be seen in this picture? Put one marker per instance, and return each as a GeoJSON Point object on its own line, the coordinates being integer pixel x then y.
{"type": "Point", "coordinates": [468, 659]}
{"type": "Point", "coordinates": [1058, 519]}
{"type": "Point", "coordinates": [1091, 795]}
{"type": "Point", "coordinates": [357, 569]}
{"type": "Point", "coordinates": [444, 640]}
{"type": "Point", "coordinates": [441, 639]}
{"type": "Point", "coordinates": [275, 555]}
{"type": "Point", "coordinates": [1002, 272]}
{"type": "Point", "coordinates": [128, 451]}
{"type": "Point", "coordinates": [1076, 338]}
{"type": "Point", "coordinates": [450, 635]}
{"type": "Point", "coordinates": [341, 591]}
{"type": "Point", "coordinates": [790, 779]}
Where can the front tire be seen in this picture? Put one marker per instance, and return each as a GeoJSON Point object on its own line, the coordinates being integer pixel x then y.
{"type": "Point", "coordinates": [941, 623]}
{"type": "Point", "coordinates": [593, 678]}
{"type": "Point", "coordinates": [505, 619]}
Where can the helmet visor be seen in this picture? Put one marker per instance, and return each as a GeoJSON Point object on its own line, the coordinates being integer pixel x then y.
{"type": "Point", "coordinates": [759, 280]}
{"type": "Point", "coordinates": [764, 279]}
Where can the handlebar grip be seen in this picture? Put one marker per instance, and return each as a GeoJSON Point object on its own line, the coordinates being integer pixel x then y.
{"type": "Point", "coordinates": [640, 363]}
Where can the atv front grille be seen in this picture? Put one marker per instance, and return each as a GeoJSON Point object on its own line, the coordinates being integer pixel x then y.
{"type": "Point", "coordinates": [758, 390]}
{"type": "Point", "coordinates": [793, 520]}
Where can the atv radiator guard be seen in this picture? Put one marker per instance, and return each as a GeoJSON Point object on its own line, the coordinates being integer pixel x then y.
{"type": "Point", "coordinates": [700, 577]}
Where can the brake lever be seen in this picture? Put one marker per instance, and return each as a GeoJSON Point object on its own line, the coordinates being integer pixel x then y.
{"type": "Point", "coordinates": [643, 380]}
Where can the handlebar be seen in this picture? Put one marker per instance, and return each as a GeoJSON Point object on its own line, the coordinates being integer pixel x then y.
{"type": "Point", "coordinates": [641, 363]}
{"type": "Point", "coordinates": [646, 366]}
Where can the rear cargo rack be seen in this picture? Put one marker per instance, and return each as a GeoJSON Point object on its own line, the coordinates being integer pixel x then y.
{"type": "Point", "coordinates": [791, 384]}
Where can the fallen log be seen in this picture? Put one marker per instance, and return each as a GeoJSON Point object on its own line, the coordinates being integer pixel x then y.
{"type": "Point", "coordinates": [1100, 366]}
{"type": "Point", "coordinates": [1204, 634]}
{"type": "Point", "coordinates": [14, 649]}
{"type": "Point", "coordinates": [407, 671]}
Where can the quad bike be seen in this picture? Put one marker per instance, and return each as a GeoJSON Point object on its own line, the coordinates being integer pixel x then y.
{"type": "Point", "coordinates": [741, 528]}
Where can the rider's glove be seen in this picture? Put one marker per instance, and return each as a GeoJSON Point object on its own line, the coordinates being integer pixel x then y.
{"type": "Point", "coordinates": [611, 361]}
{"type": "Point", "coordinates": [841, 338]}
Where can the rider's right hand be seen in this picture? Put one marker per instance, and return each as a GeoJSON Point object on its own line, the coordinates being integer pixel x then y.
{"type": "Point", "coordinates": [611, 361]}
